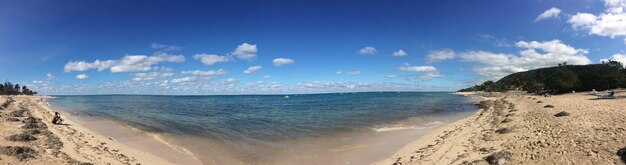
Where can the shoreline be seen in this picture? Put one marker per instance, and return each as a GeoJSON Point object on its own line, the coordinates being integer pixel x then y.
{"type": "Point", "coordinates": [71, 142]}
{"type": "Point", "coordinates": [99, 140]}
{"type": "Point", "coordinates": [130, 137]}
{"type": "Point", "coordinates": [518, 128]}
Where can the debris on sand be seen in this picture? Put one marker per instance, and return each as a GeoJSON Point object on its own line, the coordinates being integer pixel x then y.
{"type": "Point", "coordinates": [507, 120]}
{"type": "Point", "coordinates": [19, 152]}
{"type": "Point", "coordinates": [549, 106]}
{"type": "Point", "coordinates": [32, 132]}
{"type": "Point", "coordinates": [499, 158]}
{"type": "Point", "coordinates": [32, 120]}
{"type": "Point", "coordinates": [562, 113]}
{"type": "Point", "coordinates": [485, 104]}
{"type": "Point", "coordinates": [503, 130]}
{"type": "Point", "coordinates": [13, 119]}
{"type": "Point", "coordinates": [21, 137]}
{"type": "Point", "coordinates": [539, 101]}
{"type": "Point", "coordinates": [34, 126]}
{"type": "Point", "coordinates": [19, 113]}
{"type": "Point", "coordinates": [622, 154]}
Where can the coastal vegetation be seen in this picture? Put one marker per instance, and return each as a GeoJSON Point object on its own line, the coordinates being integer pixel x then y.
{"type": "Point", "coordinates": [559, 79]}
{"type": "Point", "coordinates": [14, 89]}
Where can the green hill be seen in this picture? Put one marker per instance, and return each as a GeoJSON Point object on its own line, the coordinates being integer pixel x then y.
{"type": "Point", "coordinates": [560, 79]}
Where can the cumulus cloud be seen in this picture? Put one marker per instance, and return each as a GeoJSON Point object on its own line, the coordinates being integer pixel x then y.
{"type": "Point", "coordinates": [610, 23]}
{"type": "Point", "coordinates": [165, 47]}
{"type": "Point", "coordinates": [424, 72]}
{"type": "Point", "coordinates": [129, 63]}
{"type": "Point", "coordinates": [354, 73]}
{"type": "Point", "coordinates": [430, 75]}
{"type": "Point", "coordinates": [550, 13]}
{"type": "Point", "coordinates": [267, 77]}
{"type": "Point", "coordinates": [184, 80]}
{"type": "Point", "coordinates": [391, 76]}
{"type": "Point", "coordinates": [368, 50]}
{"type": "Point", "coordinates": [81, 76]}
{"type": "Point", "coordinates": [209, 73]}
{"type": "Point", "coordinates": [399, 53]}
{"type": "Point", "coordinates": [49, 77]}
{"type": "Point", "coordinates": [616, 57]}
{"type": "Point", "coordinates": [535, 55]}
{"type": "Point", "coordinates": [582, 20]}
{"type": "Point", "coordinates": [245, 51]}
{"type": "Point", "coordinates": [282, 61]}
{"type": "Point", "coordinates": [151, 76]}
{"type": "Point", "coordinates": [440, 55]}
{"type": "Point", "coordinates": [252, 69]}
{"type": "Point", "coordinates": [210, 59]}
{"type": "Point", "coordinates": [319, 86]}
{"type": "Point", "coordinates": [409, 68]}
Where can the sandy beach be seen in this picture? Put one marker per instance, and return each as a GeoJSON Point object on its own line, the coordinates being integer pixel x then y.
{"type": "Point", "coordinates": [30, 138]}
{"type": "Point", "coordinates": [515, 128]}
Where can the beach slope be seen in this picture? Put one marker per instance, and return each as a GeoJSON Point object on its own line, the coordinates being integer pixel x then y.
{"type": "Point", "coordinates": [28, 137]}
{"type": "Point", "coordinates": [575, 128]}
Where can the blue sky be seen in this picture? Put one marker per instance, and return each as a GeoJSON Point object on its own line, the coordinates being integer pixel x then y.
{"type": "Point", "coordinates": [204, 47]}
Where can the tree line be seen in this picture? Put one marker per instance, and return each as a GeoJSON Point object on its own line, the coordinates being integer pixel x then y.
{"type": "Point", "coordinates": [563, 78]}
{"type": "Point", "coordinates": [14, 89]}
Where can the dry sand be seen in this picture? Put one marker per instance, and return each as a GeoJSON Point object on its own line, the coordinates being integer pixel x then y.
{"type": "Point", "coordinates": [525, 129]}
{"type": "Point", "coordinates": [40, 142]}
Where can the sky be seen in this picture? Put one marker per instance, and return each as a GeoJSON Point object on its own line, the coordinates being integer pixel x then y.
{"type": "Point", "coordinates": [286, 47]}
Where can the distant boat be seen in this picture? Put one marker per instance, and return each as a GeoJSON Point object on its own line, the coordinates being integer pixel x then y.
{"type": "Point", "coordinates": [286, 97]}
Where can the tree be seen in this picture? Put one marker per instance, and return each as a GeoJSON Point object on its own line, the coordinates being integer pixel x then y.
{"type": "Point", "coordinates": [562, 80]}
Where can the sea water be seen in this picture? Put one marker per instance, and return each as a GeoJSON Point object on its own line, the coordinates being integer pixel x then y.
{"type": "Point", "coordinates": [276, 129]}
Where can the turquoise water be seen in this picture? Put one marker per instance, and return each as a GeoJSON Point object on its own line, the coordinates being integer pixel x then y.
{"type": "Point", "coordinates": [263, 120]}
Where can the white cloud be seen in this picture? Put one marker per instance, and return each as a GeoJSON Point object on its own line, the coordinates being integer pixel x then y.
{"type": "Point", "coordinates": [610, 23]}
{"type": "Point", "coordinates": [184, 80]}
{"type": "Point", "coordinates": [408, 68]}
{"type": "Point", "coordinates": [582, 20]}
{"type": "Point", "coordinates": [245, 51]}
{"type": "Point", "coordinates": [616, 57]}
{"type": "Point", "coordinates": [151, 76]}
{"type": "Point", "coordinates": [430, 75]}
{"type": "Point", "coordinates": [81, 76]}
{"type": "Point", "coordinates": [368, 50]}
{"type": "Point", "coordinates": [440, 55]}
{"type": "Point", "coordinates": [252, 69]}
{"type": "Point", "coordinates": [83, 66]}
{"type": "Point", "coordinates": [210, 59]}
{"type": "Point", "coordinates": [267, 77]}
{"type": "Point", "coordinates": [391, 76]}
{"type": "Point", "coordinates": [282, 61]}
{"type": "Point", "coordinates": [551, 53]}
{"type": "Point", "coordinates": [129, 63]}
{"type": "Point", "coordinates": [399, 53]}
{"type": "Point", "coordinates": [550, 13]}
{"type": "Point", "coordinates": [354, 73]}
{"type": "Point", "coordinates": [209, 73]}
{"type": "Point", "coordinates": [49, 77]}
{"type": "Point", "coordinates": [338, 72]}
{"type": "Point", "coordinates": [164, 47]}
{"type": "Point", "coordinates": [427, 72]}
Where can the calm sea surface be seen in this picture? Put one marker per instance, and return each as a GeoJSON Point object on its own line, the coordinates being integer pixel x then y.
{"type": "Point", "coordinates": [267, 120]}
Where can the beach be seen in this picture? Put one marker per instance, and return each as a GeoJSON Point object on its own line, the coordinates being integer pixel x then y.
{"type": "Point", "coordinates": [509, 128]}
{"type": "Point", "coordinates": [40, 142]}
{"type": "Point", "coordinates": [516, 128]}
{"type": "Point", "coordinates": [96, 139]}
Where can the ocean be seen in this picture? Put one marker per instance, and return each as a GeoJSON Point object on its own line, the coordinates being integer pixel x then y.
{"type": "Point", "coordinates": [335, 128]}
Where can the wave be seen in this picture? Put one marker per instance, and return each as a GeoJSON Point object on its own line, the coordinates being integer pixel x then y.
{"type": "Point", "coordinates": [397, 127]}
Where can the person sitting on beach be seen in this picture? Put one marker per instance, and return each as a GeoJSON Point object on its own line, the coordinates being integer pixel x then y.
{"type": "Point", "coordinates": [57, 118]}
